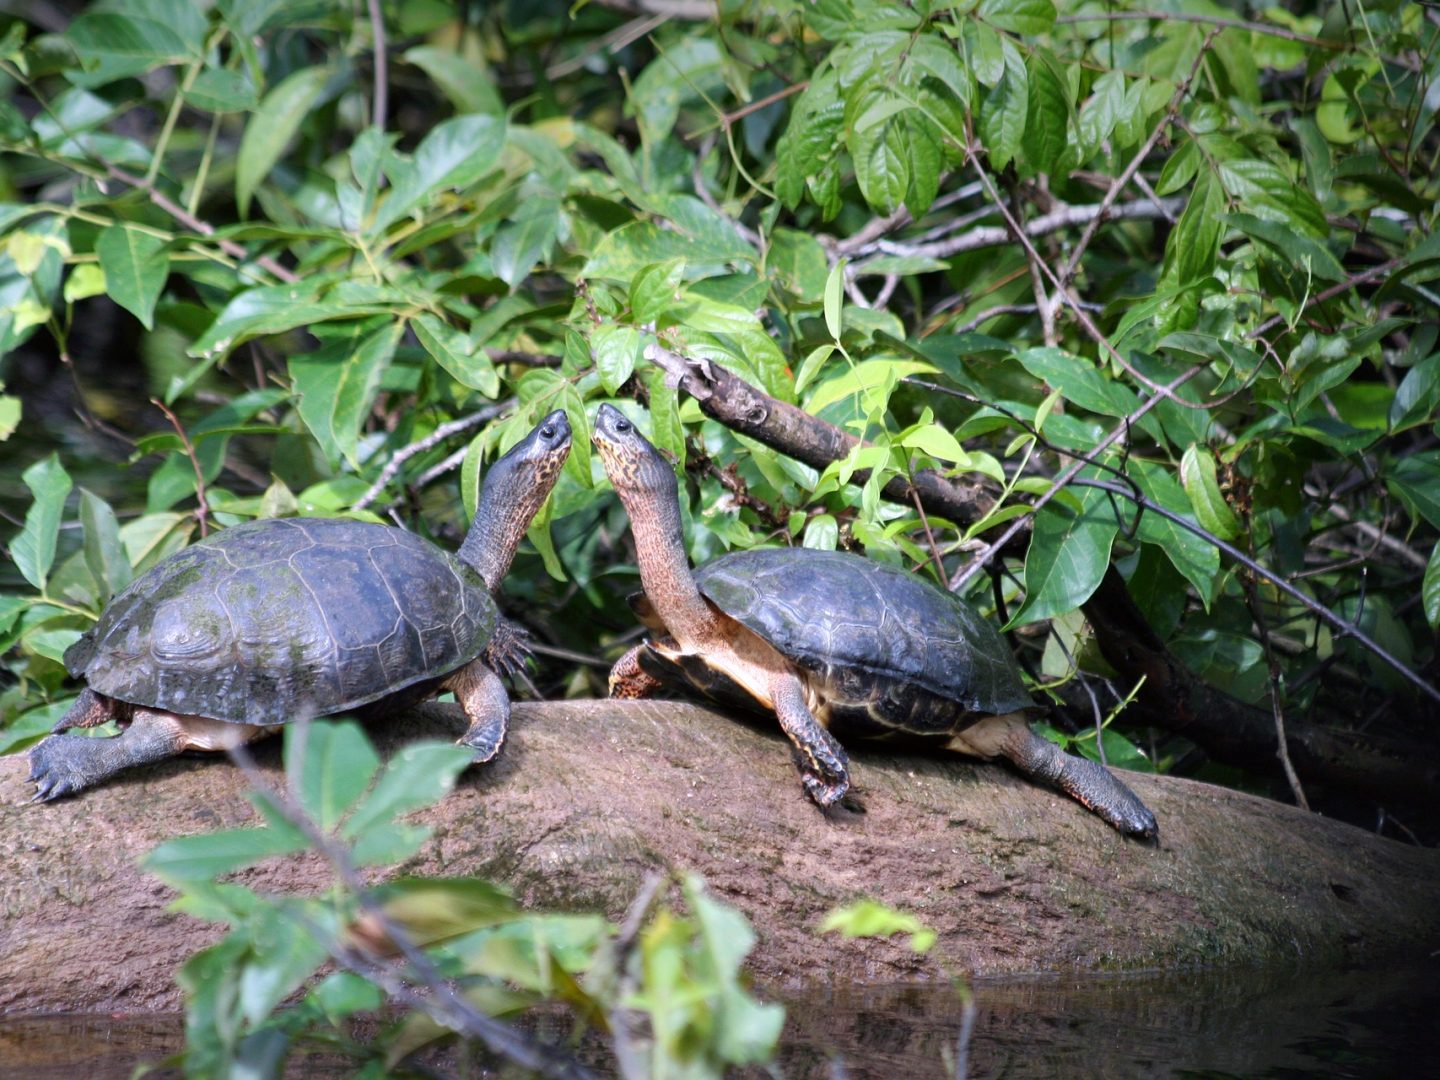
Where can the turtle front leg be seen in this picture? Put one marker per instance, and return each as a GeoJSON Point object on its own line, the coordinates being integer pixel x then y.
{"type": "Point", "coordinates": [630, 681]}
{"type": "Point", "coordinates": [64, 764]}
{"type": "Point", "coordinates": [508, 649]}
{"type": "Point", "coordinates": [1087, 782]}
{"type": "Point", "coordinates": [822, 760]}
{"type": "Point", "coordinates": [482, 697]}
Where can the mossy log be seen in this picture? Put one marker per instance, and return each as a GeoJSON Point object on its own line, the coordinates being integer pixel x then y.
{"type": "Point", "coordinates": [590, 795]}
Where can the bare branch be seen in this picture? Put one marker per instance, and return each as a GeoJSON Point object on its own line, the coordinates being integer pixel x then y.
{"type": "Point", "coordinates": [439, 435]}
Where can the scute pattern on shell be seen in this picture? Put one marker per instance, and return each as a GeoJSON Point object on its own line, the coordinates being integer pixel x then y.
{"type": "Point", "coordinates": [269, 619]}
{"type": "Point", "coordinates": [875, 625]}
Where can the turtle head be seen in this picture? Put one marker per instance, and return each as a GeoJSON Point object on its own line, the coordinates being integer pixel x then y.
{"type": "Point", "coordinates": [635, 468]}
{"type": "Point", "coordinates": [515, 489]}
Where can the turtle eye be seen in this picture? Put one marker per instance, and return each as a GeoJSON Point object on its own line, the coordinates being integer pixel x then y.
{"type": "Point", "coordinates": [548, 431]}
{"type": "Point", "coordinates": [623, 426]}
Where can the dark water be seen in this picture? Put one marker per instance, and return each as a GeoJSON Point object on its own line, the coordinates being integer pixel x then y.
{"type": "Point", "coordinates": [1378, 1022]}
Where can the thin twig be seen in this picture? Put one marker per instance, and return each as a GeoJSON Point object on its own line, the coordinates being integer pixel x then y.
{"type": "Point", "coordinates": [439, 435]}
{"type": "Point", "coordinates": [202, 509]}
{"type": "Point", "coordinates": [382, 75]}
{"type": "Point", "coordinates": [194, 224]}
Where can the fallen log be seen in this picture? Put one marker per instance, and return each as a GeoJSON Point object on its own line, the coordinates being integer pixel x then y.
{"type": "Point", "coordinates": [590, 795]}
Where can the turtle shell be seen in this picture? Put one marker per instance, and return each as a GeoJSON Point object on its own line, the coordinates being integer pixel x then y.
{"type": "Point", "coordinates": [297, 615]}
{"type": "Point", "coordinates": [872, 633]}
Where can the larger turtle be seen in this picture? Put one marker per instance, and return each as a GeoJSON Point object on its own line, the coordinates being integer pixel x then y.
{"type": "Point", "coordinates": [271, 620]}
{"type": "Point", "coordinates": [832, 644]}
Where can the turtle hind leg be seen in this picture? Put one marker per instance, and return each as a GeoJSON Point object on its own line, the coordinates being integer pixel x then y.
{"type": "Point", "coordinates": [64, 764]}
{"type": "Point", "coordinates": [821, 760]}
{"type": "Point", "coordinates": [629, 680]}
{"type": "Point", "coordinates": [509, 649]}
{"type": "Point", "coordinates": [482, 696]}
{"type": "Point", "coordinates": [1089, 783]}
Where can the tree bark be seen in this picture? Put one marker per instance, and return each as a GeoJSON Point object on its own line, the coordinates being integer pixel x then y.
{"type": "Point", "coordinates": [591, 795]}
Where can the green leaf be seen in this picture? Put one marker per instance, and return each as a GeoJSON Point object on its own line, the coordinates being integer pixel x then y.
{"type": "Point", "coordinates": [434, 909]}
{"type": "Point", "coordinates": [1196, 559]}
{"type": "Point", "coordinates": [822, 533]}
{"type": "Point", "coordinates": [1197, 476]}
{"type": "Point", "coordinates": [870, 919]}
{"type": "Point", "coordinates": [338, 381]}
{"type": "Point", "coordinates": [1027, 17]}
{"type": "Point", "coordinates": [328, 765]}
{"type": "Point", "coordinates": [655, 290]}
{"type": "Point", "coordinates": [835, 299]}
{"type": "Point", "coordinates": [1068, 555]}
{"type": "Point", "coordinates": [1265, 189]}
{"type": "Point", "coordinates": [466, 83]}
{"type": "Point", "coordinates": [1414, 480]}
{"type": "Point", "coordinates": [128, 43]}
{"type": "Point", "coordinates": [1430, 590]}
{"type": "Point", "coordinates": [1003, 112]}
{"type": "Point", "coordinates": [455, 154]}
{"type": "Point", "coordinates": [104, 554]}
{"type": "Point", "coordinates": [275, 122]}
{"type": "Point", "coordinates": [1418, 395]}
{"type": "Point", "coordinates": [85, 281]}
{"type": "Point", "coordinates": [136, 265]}
{"type": "Point", "coordinates": [938, 442]}
{"type": "Point", "coordinates": [617, 350]}
{"type": "Point", "coordinates": [1195, 240]}
{"type": "Point", "coordinates": [1047, 115]}
{"type": "Point", "coordinates": [452, 350]}
{"type": "Point", "coordinates": [208, 855]}
{"type": "Point", "coordinates": [416, 777]}
{"type": "Point", "coordinates": [34, 548]}
{"type": "Point", "coordinates": [525, 240]}
{"type": "Point", "coordinates": [9, 415]}
{"type": "Point", "coordinates": [1079, 380]}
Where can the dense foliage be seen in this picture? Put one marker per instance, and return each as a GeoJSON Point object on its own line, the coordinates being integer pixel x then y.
{"type": "Point", "coordinates": [1089, 258]}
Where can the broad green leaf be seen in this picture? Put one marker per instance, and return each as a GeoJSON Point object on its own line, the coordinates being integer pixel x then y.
{"type": "Point", "coordinates": [1197, 559]}
{"type": "Point", "coordinates": [29, 727]}
{"type": "Point", "coordinates": [1190, 251]}
{"type": "Point", "coordinates": [1430, 590]}
{"type": "Point", "coordinates": [617, 350]}
{"type": "Point", "coordinates": [937, 442]}
{"type": "Point", "coordinates": [525, 240]}
{"type": "Point", "coordinates": [868, 919]}
{"type": "Point", "coordinates": [453, 351]}
{"type": "Point", "coordinates": [126, 43]}
{"type": "Point", "coordinates": [435, 909]}
{"type": "Point", "coordinates": [414, 778]}
{"type": "Point", "coordinates": [1418, 395]}
{"type": "Point", "coordinates": [1264, 189]}
{"type": "Point", "coordinates": [337, 382]}
{"type": "Point", "coordinates": [1027, 17]}
{"type": "Point", "coordinates": [104, 554]}
{"type": "Point", "coordinates": [1290, 247]}
{"type": "Point", "coordinates": [136, 265]}
{"type": "Point", "coordinates": [1079, 380]}
{"type": "Point", "coordinates": [1003, 112]}
{"type": "Point", "coordinates": [466, 83]}
{"type": "Point", "coordinates": [208, 855]}
{"type": "Point", "coordinates": [1068, 555]}
{"type": "Point", "coordinates": [278, 118]}
{"type": "Point", "coordinates": [85, 281]}
{"type": "Point", "coordinates": [1415, 480]}
{"type": "Point", "coordinates": [274, 309]}
{"type": "Point", "coordinates": [1197, 476]}
{"type": "Point", "coordinates": [822, 533]}
{"type": "Point", "coordinates": [797, 261]}
{"type": "Point", "coordinates": [810, 367]}
{"type": "Point", "coordinates": [453, 155]}
{"type": "Point", "coordinates": [655, 290]}
{"type": "Point", "coordinates": [34, 548]}
{"type": "Point", "coordinates": [1047, 116]}
{"type": "Point", "coordinates": [328, 766]}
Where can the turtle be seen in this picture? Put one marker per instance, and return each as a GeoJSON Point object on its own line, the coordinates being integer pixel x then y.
{"type": "Point", "coordinates": [834, 644]}
{"type": "Point", "coordinates": [272, 620]}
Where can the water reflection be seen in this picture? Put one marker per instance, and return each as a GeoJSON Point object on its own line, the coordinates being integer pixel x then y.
{"type": "Point", "coordinates": [1277, 1025]}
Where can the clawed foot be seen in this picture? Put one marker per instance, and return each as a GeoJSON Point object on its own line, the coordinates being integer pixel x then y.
{"type": "Point", "coordinates": [823, 792]}
{"type": "Point", "coordinates": [508, 650]}
{"type": "Point", "coordinates": [50, 770]}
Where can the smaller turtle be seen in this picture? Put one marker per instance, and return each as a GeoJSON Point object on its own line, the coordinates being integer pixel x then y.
{"type": "Point", "coordinates": [256, 625]}
{"type": "Point", "coordinates": [831, 643]}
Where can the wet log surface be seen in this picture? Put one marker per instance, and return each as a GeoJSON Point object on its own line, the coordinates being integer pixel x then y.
{"type": "Point", "coordinates": [589, 796]}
